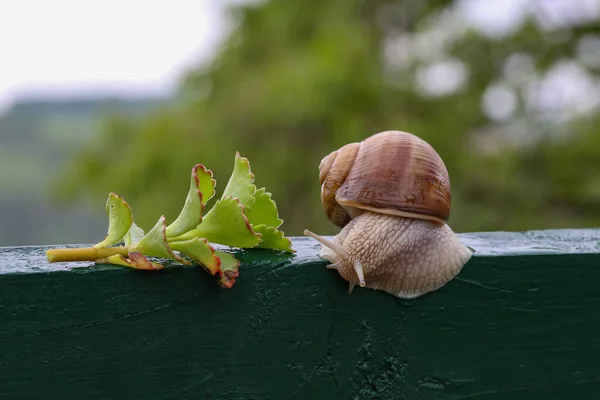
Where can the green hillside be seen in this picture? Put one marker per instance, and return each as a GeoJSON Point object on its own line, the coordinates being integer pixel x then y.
{"type": "Point", "coordinates": [37, 141]}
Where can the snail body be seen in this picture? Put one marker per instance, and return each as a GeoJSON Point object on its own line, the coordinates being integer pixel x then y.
{"type": "Point", "coordinates": [391, 196]}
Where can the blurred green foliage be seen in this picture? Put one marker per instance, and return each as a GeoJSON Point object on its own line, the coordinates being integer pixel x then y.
{"type": "Point", "coordinates": [296, 80]}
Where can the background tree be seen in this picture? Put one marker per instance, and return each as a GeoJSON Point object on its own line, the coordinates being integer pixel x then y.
{"type": "Point", "coordinates": [296, 80]}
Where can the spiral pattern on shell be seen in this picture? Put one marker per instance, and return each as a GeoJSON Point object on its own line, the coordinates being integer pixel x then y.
{"type": "Point", "coordinates": [391, 172]}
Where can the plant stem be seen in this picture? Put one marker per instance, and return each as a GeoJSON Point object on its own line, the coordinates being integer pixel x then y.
{"type": "Point", "coordinates": [84, 253]}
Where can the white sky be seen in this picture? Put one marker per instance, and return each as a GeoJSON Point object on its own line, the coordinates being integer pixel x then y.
{"type": "Point", "coordinates": [67, 47]}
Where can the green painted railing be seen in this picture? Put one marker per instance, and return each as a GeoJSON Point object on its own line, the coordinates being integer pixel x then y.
{"type": "Point", "coordinates": [521, 321]}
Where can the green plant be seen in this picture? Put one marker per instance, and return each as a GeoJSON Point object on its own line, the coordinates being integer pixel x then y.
{"type": "Point", "coordinates": [243, 217]}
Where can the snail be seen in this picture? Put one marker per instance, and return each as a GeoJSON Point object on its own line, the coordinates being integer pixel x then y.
{"type": "Point", "coordinates": [390, 194]}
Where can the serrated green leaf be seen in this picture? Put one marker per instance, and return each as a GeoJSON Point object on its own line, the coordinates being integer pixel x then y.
{"type": "Point", "coordinates": [225, 224]}
{"type": "Point", "coordinates": [200, 251]}
{"type": "Point", "coordinates": [133, 236]}
{"type": "Point", "coordinates": [229, 267]}
{"type": "Point", "coordinates": [155, 243]}
{"type": "Point", "coordinates": [263, 210]}
{"type": "Point", "coordinates": [272, 238]}
{"type": "Point", "coordinates": [136, 260]}
{"type": "Point", "coordinates": [206, 183]}
{"type": "Point", "coordinates": [120, 218]}
{"type": "Point", "coordinates": [202, 189]}
{"type": "Point", "coordinates": [241, 182]}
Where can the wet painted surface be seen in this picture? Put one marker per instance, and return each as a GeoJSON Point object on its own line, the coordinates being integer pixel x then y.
{"type": "Point", "coordinates": [32, 259]}
{"type": "Point", "coordinates": [519, 322]}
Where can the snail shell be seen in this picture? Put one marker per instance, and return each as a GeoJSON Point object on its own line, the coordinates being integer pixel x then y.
{"type": "Point", "coordinates": [390, 194]}
{"type": "Point", "coordinates": [391, 172]}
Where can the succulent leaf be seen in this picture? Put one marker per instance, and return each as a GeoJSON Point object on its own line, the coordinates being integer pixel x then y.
{"type": "Point", "coordinates": [133, 236]}
{"type": "Point", "coordinates": [225, 224]}
{"type": "Point", "coordinates": [120, 218]}
{"type": "Point", "coordinates": [263, 210]}
{"type": "Point", "coordinates": [241, 182]}
{"type": "Point", "coordinates": [206, 183]}
{"type": "Point", "coordinates": [200, 251]}
{"type": "Point", "coordinates": [202, 189]}
{"type": "Point", "coordinates": [136, 260]}
{"type": "Point", "coordinates": [229, 267]}
{"type": "Point", "coordinates": [272, 238]}
{"type": "Point", "coordinates": [155, 243]}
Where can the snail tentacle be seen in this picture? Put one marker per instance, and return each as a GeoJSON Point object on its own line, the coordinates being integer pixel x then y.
{"type": "Point", "coordinates": [340, 251]}
{"type": "Point", "coordinates": [350, 287]}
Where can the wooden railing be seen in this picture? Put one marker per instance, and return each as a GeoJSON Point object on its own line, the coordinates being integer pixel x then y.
{"type": "Point", "coordinates": [521, 321]}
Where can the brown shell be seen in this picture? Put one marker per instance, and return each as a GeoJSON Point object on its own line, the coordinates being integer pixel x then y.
{"type": "Point", "coordinates": [391, 172]}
